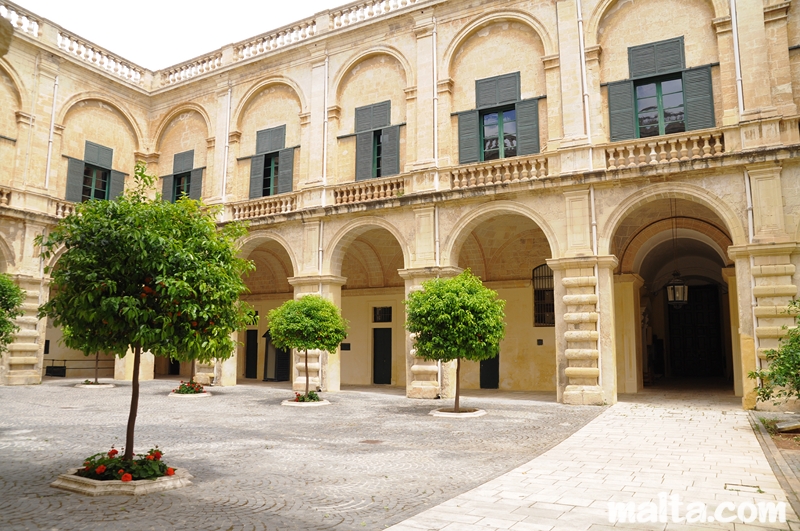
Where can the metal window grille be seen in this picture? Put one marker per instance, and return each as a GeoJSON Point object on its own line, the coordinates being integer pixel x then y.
{"type": "Point", "coordinates": [544, 310]}
{"type": "Point", "coordinates": [382, 314]}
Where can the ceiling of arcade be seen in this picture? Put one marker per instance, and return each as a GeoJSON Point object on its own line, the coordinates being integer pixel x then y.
{"type": "Point", "coordinates": [273, 268]}
{"type": "Point", "coordinates": [504, 248]}
{"type": "Point", "coordinates": [372, 261]}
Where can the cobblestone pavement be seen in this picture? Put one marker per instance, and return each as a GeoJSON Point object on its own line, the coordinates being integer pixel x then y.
{"type": "Point", "coordinates": [371, 459]}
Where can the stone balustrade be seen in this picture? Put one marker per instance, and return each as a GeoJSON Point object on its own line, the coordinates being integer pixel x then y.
{"type": "Point", "coordinates": [665, 149]}
{"type": "Point", "coordinates": [265, 206]}
{"type": "Point", "coordinates": [373, 189]}
{"type": "Point", "coordinates": [22, 20]}
{"type": "Point", "coordinates": [190, 69]}
{"type": "Point", "coordinates": [5, 196]}
{"type": "Point", "coordinates": [99, 57]}
{"type": "Point", "coordinates": [512, 170]}
{"type": "Point", "coordinates": [277, 39]}
{"type": "Point", "coordinates": [360, 11]}
{"type": "Point", "coordinates": [62, 209]}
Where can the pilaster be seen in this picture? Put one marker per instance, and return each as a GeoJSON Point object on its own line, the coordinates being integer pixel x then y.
{"type": "Point", "coordinates": [628, 327]}
{"type": "Point", "coordinates": [768, 217]}
{"type": "Point", "coordinates": [570, 68]}
{"type": "Point", "coordinates": [23, 363]}
{"type": "Point", "coordinates": [729, 276]}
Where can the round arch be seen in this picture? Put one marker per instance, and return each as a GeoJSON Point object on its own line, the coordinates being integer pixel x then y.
{"type": "Point", "coordinates": [108, 100]}
{"type": "Point", "coordinates": [721, 9]}
{"type": "Point", "coordinates": [349, 232]}
{"type": "Point", "coordinates": [467, 223]}
{"type": "Point", "coordinates": [6, 254]}
{"type": "Point", "coordinates": [372, 52]}
{"type": "Point", "coordinates": [256, 89]}
{"type": "Point", "coordinates": [506, 15]}
{"type": "Point", "coordinates": [662, 191]}
{"type": "Point", "coordinates": [177, 111]}
{"type": "Point", "coordinates": [250, 242]}
{"type": "Point", "coordinates": [6, 67]}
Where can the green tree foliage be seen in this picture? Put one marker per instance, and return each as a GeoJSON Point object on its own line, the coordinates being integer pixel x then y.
{"type": "Point", "coordinates": [781, 380]}
{"type": "Point", "coordinates": [11, 297]}
{"type": "Point", "coordinates": [456, 318]}
{"type": "Point", "coordinates": [308, 323]}
{"type": "Point", "coordinates": [147, 275]}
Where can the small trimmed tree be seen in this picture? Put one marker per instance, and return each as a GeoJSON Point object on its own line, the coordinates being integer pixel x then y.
{"type": "Point", "coordinates": [11, 297]}
{"type": "Point", "coordinates": [147, 275]}
{"type": "Point", "coordinates": [456, 318]}
{"type": "Point", "coordinates": [781, 380]}
{"type": "Point", "coordinates": [308, 323]}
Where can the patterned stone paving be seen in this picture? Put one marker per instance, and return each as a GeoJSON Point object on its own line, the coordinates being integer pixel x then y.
{"type": "Point", "coordinates": [258, 465]}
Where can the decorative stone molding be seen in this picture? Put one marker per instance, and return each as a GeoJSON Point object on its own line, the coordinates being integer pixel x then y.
{"type": "Point", "coordinates": [334, 113]}
{"type": "Point", "coordinates": [305, 118]}
{"type": "Point", "coordinates": [777, 12]}
{"type": "Point", "coordinates": [445, 86]}
{"type": "Point", "coordinates": [722, 25]}
{"type": "Point", "coordinates": [234, 137]}
{"type": "Point", "coordinates": [552, 61]}
{"type": "Point", "coordinates": [147, 158]}
{"type": "Point", "coordinates": [411, 93]}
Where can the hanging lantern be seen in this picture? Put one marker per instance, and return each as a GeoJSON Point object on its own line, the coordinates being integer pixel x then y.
{"type": "Point", "coordinates": [677, 291]}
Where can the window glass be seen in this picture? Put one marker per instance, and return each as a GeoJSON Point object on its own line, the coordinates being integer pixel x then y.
{"type": "Point", "coordinates": [660, 109]}
{"type": "Point", "coordinates": [377, 150]}
{"type": "Point", "coordinates": [270, 175]}
{"type": "Point", "coordinates": [182, 183]}
{"type": "Point", "coordinates": [499, 134]}
{"type": "Point", "coordinates": [95, 183]}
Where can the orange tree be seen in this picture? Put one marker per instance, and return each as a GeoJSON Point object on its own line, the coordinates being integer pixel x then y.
{"type": "Point", "coordinates": [11, 298]}
{"type": "Point", "coordinates": [140, 275]}
{"type": "Point", "coordinates": [455, 318]}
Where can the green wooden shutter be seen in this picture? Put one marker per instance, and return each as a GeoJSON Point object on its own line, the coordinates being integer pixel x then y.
{"type": "Point", "coordinates": [256, 176]}
{"type": "Point", "coordinates": [196, 184]}
{"type": "Point", "coordinates": [183, 162]}
{"type": "Point", "coordinates": [508, 88]}
{"type": "Point", "coordinates": [168, 188]}
{"type": "Point", "coordinates": [698, 99]}
{"type": "Point", "coordinates": [285, 170]}
{"type": "Point", "coordinates": [469, 148]}
{"type": "Point", "coordinates": [381, 114]}
{"type": "Point", "coordinates": [390, 154]}
{"type": "Point", "coordinates": [486, 93]}
{"type": "Point", "coordinates": [271, 140]}
{"type": "Point", "coordinates": [98, 155]}
{"type": "Point", "coordinates": [656, 58]}
{"type": "Point", "coordinates": [621, 111]}
{"type": "Point", "coordinates": [262, 141]}
{"type": "Point", "coordinates": [364, 155]}
{"type": "Point", "coordinates": [363, 119]}
{"type": "Point", "coordinates": [527, 127]}
{"type": "Point", "coordinates": [74, 180]}
{"type": "Point", "coordinates": [116, 184]}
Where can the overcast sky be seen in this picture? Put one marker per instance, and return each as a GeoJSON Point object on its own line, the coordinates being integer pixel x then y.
{"type": "Point", "coordinates": [160, 33]}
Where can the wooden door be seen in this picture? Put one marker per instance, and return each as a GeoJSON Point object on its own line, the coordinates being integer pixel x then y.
{"type": "Point", "coordinates": [490, 373]}
{"type": "Point", "coordinates": [251, 354]}
{"type": "Point", "coordinates": [695, 340]}
{"type": "Point", "coordinates": [382, 355]}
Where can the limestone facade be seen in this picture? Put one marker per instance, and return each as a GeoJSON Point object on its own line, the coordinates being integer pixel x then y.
{"type": "Point", "coordinates": [717, 198]}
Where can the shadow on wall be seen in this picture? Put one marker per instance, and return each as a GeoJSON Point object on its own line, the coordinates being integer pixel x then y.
{"type": "Point", "coordinates": [6, 30]}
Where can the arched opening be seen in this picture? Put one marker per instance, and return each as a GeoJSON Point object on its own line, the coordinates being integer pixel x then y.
{"type": "Point", "coordinates": [663, 344]}
{"type": "Point", "coordinates": [508, 252]}
{"type": "Point", "coordinates": [372, 302]}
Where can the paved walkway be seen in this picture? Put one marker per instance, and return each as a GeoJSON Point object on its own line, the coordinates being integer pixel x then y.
{"type": "Point", "coordinates": [644, 449]}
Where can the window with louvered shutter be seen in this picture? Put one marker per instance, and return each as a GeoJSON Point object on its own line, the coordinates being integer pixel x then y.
{"type": "Point", "coordinates": [256, 176]}
{"type": "Point", "coordinates": [183, 162]}
{"type": "Point", "coordinates": [364, 155]}
{"type": "Point", "coordinates": [74, 180]}
{"type": "Point", "coordinates": [527, 127]}
{"type": "Point", "coordinates": [196, 184]}
{"type": "Point", "coordinates": [98, 155]}
{"type": "Point", "coordinates": [469, 149]}
{"type": "Point", "coordinates": [621, 111]}
{"type": "Point", "coordinates": [168, 188]}
{"type": "Point", "coordinates": [116, 185]}
{"type": "Point", "coordinates": [271, 140]}
{"type": "Point", "coordinates": [652, 59]}
{"type": "Point", "coordinates": [285, 170]}
{"type": "Point", "coordinates": [390, 154]}
{"type": "Point", "coordinates": [699, 99]}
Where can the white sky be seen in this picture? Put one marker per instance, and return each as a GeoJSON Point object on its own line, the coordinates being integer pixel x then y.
{"type": "Point", "coordinates": [160, 33]}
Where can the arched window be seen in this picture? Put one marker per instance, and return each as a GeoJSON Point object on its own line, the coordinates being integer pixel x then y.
{"type": "Point", "coordinates": [544, 311]}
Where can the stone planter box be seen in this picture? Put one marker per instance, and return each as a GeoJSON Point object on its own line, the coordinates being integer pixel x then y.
{"type": "Point", "coordinates": [96, 386]}
{"type": "Point", "coordinates": [193, 395]}
{"type": "Point", "coordinates": [462, 415]}
{"type": "Point", "coordinates": [292, 403]}
{"type": "Point", "coordinates": [94, 487]}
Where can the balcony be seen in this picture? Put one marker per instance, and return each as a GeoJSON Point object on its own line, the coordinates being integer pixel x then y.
{"type": "Point", "coordinates": [657, 150]}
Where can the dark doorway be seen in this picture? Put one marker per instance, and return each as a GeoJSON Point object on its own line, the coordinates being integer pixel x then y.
{"type": "Point", "coordinates": [174, 367]}
{"type": "Point", "coordinates": [251, 354]}
{"type": "Point", "coordinates": [695, 336]}
{"type": "Point", "coordinates": [382, 355]}
{"type": "Point", "coordinates": [490, 373]}
{"type": "Point", "coordinates": [282, 365]}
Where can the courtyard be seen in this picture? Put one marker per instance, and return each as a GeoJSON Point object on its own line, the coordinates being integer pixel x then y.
{"type": "Point", "coordinates": [371, 459]}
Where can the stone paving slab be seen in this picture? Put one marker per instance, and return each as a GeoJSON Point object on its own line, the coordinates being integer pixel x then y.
{"type": "Point", "coordinates": [700, 447]}
{"type": "Point", "coordinates": [260, 466]}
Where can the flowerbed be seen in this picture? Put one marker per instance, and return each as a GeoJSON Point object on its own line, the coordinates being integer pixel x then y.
{"type": "Point", "coordinates": [110, 465]}
{"type": "Point", "coordinates": [189, 388]}
{"type": "Point", "coordinates": [310, 397]}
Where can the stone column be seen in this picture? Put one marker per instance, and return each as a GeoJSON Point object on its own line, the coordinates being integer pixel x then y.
{"type": "Point", "coordinates": [123, 367]}
{"type": "Point", "coordinates": [426, 379]}
{"type": "Point", "coordinates": [324, 368]}
{"type": "Point", "coordinates": [729, 275]}
{"type": "Point", "coordinates": [627, 318]}
{"type": "Point", "coordinates": [225, 370]}
{"type": "Point", "coordinates": [585, 346]}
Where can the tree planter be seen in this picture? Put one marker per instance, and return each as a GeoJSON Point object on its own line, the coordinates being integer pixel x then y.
{"type": "Point", "coordinates": [464, 414]}
{"type": "Point", "coordinates": [95, 487]}
{"type": "Point", "coordinates": [95, 386]}
{"type": "Point", "coordinates": [292, 403]}
{"type": "Point", "coordinates": [190, 395]}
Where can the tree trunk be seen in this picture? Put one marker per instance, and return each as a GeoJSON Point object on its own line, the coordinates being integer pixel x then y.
{"type": "Point", "coordinates": [194, 371]}
{"type": "Point", "coordinates": [137, 356]}
{"type": "Point", "coordinates": [96, 363]}
{"type": "Point", "coordinates": [306, 353]}
{"type": "Point", "coordinates": [458, 378]}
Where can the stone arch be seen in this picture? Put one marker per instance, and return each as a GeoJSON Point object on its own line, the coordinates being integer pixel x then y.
{"type": "Point", "coordinates": [346, 235]}
{"type": "Point", "coordinates": [108, 100]}
{"type": "Point", "coordinates": [251, 242]}
{"type": "Point", "coordinates": [256, 89]}
{"type": "Point", "coordinates": [372, 52]}
{"type": "Point", "coordinates": [175, 112]}
{"type": "Point", "coordinates": [638, 245]}
{"type": "Point", "coordinates": [721, 9]}
{"type": "Point", "coordinates": [501, 16]}
{"type": "Point", "coordinates": [467, 223]}
{"type": "Point", "coordinates": [7, 260]}
{"type": "Point", "coordinates": [17, 82]}
{"type": "Point", "coordinates": [662, 191]}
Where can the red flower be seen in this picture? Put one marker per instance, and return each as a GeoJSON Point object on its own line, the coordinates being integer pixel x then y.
{"type": "Point", "coordinates": [157, 454]}
{"type": "Point", "coordinates": [120, 471]}
{"type": "Point", "coordinates": [126, 477]}
{"type": "Point", "coordinates": [112, 453]}
{"type": "Point", "coordinates": [100, 469]}
{"type": "Point", "coordinates": [150, 457]}
{"type": "Point", "coordinates": [170, 471]}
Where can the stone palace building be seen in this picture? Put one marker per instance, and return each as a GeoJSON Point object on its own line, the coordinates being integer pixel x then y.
{"type": "Point", "coordinates": [583, 157]}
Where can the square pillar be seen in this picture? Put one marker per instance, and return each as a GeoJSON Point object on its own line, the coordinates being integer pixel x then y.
{"type": "Point", "coordinates": [729, 275]}
{"type": "Point", "coordinates": [123, 367]}
{"type": "Point", "coordinates": [628, 329]}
